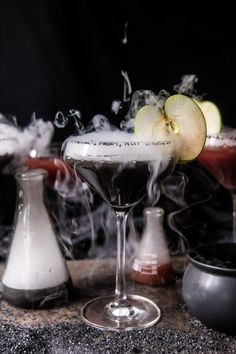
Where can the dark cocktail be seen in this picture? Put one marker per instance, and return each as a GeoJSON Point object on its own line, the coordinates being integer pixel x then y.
{"type": "Point", "coordinates": [120, 169]}
{"type": "Point", "coordinates": [120, 184]}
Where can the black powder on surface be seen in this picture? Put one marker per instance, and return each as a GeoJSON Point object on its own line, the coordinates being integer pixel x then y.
{"type": "Point", "coordinates": [79, 338]}
{"type": "Point", "coordinates": [60, 330]}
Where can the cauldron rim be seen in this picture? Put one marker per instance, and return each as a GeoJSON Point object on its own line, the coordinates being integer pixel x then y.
{"type": "Point", "coordinates": [194, 257]}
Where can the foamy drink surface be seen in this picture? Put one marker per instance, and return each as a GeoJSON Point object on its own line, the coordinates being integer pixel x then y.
{"type": "Point", "coordinates": [118, 166]}
{"type": "Point", "coordinates": [116, 146]}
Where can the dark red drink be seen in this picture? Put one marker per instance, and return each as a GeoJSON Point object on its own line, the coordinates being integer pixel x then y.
{"type": "Point", "coordinates": [51, 161]}
{"type": "Point", "coordinates": [56, 168]}
{"type": "Point", "coordinates": [220, 161]}
{"type": "Point", "coordinates": [153, 274]}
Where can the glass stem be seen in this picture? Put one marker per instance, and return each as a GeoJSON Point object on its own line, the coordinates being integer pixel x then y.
{"type": "Point", "coordinates": [234, 216]}
{"type": "Point", "coordinates": [120, 291]}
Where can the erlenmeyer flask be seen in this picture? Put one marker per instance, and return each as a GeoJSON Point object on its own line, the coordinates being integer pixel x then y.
{"type": "Point", "coordinates": [36, 274]}
{"type": "Point", "coordinates": [152, 265]}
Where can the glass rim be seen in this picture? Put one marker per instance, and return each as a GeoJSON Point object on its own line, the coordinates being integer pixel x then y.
{"type": "Point", "coordinates": [34, 174]}
{"type": "Point", "coordinates": [131, 143]}
{"type": "Point", "coordinates": [226, 132]}
{"type": "Point", "coordinates": [221, 140]}
{"type": "Point", "coordinates": [221, 136]}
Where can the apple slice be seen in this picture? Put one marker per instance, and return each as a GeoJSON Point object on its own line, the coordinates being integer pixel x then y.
{"type": "Point", "coordinates": [181, 120]}
{"type": "Point", "coordinates": [212, 115]}
{"type": "Point", "coordinates": [150, 124]}
{"type": "Point", "coordinates": [147, 118]}
{"type": "Point", "coordinates": [185, 115]}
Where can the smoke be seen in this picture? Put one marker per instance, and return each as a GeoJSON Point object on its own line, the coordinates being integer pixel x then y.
{"type": "Point", "coordinates": [185, 194]}
{"type": "Point", "coordinates": [98, 123]}
{"type": "Point", "coordinates": [87, 220]}
{"type": "Point", "coordinates": [153, 186]}
{"type": "Point", "coordinates": [86, 225]}
{"type": "Point", "coordinates": [78, 215]}
{"type": "Point", "coordinates": [187, 86]}
{"type": "Point", "coordinates": [139, 99]}
{"type": "Point", "coordinates": [21, 142]}
{"type": "Point", "coordinates": [128, 106]}
{"type": "Point", "coordinates": [125, 37]}
{"type": "Point", "coordinates": [127, 86]}
{"type": "Point", "coordinates": [20, 147]}
{"type": "Point", "coordinates": [61, 120]}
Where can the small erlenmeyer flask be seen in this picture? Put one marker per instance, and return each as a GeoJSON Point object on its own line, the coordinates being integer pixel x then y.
{"type": "Point", "coordinates": [36, 274]}
{"type": "Point", "coordinates": [152, 265]}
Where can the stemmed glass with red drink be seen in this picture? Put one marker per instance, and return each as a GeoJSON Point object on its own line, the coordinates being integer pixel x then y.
{"type": "Point", "coordinates": [219, 158]}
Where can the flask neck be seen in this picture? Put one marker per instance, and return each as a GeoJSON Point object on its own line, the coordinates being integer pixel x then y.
{"type": "Point", "coordinates": [31, 192]}
{"type": "Point", "coordinates": [153, 240]}
{"type": "Point", "coordinates": [153, 222]}
{"type": "Point", "coordinates": [31, 187]}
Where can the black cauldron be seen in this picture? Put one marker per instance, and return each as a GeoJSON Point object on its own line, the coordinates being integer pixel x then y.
{"type": "Point", "coordinates": [209, 286]}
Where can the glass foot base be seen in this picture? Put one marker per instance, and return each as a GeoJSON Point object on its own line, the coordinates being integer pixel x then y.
{"type": "Point", "coordinates": [102, 313]}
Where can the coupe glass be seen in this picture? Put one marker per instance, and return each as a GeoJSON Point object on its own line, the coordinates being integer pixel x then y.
{"type": "Point", "coordinates": [121, 171]}
{"type": "Point", "coordinates": [219, 158]}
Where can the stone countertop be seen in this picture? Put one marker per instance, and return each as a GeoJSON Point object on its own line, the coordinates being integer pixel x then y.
{"type": "Point", "coordinates": [60, 330]}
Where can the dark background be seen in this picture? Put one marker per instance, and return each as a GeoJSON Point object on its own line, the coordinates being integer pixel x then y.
{"type": "Point", "coordinates": [62, 55]}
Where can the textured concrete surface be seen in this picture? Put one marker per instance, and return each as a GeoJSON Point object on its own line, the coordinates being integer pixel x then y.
{"type": "Point", "coordinates": [60, 330]}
